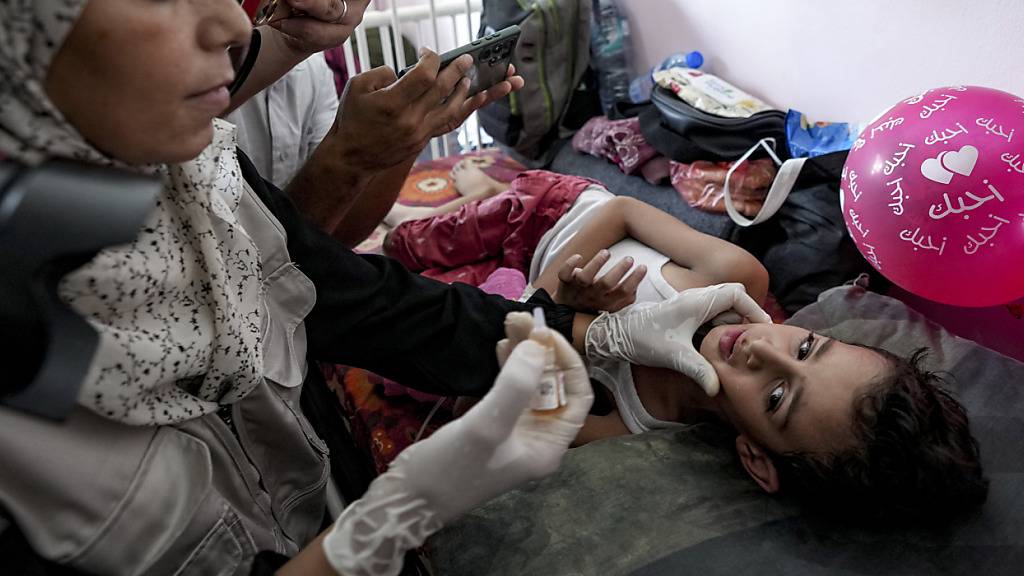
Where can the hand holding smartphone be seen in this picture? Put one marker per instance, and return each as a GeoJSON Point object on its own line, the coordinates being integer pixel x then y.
{"type": "Point", "coordinates": [491, 54]}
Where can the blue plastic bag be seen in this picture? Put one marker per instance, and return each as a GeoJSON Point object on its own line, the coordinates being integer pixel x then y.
{"type": "Point", "coordinates": [808, 139]}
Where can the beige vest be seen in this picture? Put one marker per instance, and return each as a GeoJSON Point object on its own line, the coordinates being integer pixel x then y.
{"type": "Point", "coordinates": [192, 498]}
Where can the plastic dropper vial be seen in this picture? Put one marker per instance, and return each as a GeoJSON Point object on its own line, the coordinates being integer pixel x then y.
{"type": "Point", "coordinates": [551, 390]}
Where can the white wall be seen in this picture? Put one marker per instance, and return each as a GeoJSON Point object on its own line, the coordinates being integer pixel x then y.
{"type": "Point", "coordinates": [839, 60]}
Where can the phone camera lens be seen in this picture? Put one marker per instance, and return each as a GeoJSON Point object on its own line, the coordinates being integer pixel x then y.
{"type": "Point", "coordinates": [485, 54]}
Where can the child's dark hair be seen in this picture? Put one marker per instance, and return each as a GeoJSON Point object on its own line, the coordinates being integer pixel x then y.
{"type": "Point", "coordinates": [915, 459]}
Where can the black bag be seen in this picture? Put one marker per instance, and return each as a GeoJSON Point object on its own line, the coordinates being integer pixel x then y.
{"type": "Point", "coordinates": [805, 246]}
{"type": "Point", "coordinates": [553, 55]}
{"type": "Point", "coordinates": [685, 134]}
{"type": "Point", "coordinates": [800, 235]}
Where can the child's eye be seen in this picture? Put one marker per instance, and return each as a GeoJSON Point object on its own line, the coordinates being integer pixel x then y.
{"type": "Point", "coordinates": [775, 397]}
{"type": "Point", "coordinates": [805, 347]}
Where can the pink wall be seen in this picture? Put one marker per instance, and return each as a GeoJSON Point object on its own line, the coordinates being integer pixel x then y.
{"type": "Point", "coordinates": [846, 61]}
{"type": "Point", "coordinates": [839, 60]}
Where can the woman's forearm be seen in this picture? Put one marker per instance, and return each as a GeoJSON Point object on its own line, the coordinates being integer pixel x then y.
{"type": "Point", "coordinates": [368, 208]}
{"type": "Point", "coordinates": [310, 561]}
{"type": "Point", "coordinates": [326, 188]}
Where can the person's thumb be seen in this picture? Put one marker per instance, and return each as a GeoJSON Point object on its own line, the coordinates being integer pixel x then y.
{"type": "Point", "coordinates": [730, 317]}
{"type": "Point", "coordinates": [325, 11]}
{"type": "Point", "coordinates": [699, 369]}
{"type": "Point", "coordinates": [379, 78]}
{"type": "Point", "coordinates": [503, 349]}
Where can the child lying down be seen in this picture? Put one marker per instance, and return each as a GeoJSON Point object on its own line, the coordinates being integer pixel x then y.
{"type": "Point", "coordinates": [845, 427]}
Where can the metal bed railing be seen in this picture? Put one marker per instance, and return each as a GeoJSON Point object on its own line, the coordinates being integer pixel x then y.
{"type": "Point", "coordinates": [439, 24]}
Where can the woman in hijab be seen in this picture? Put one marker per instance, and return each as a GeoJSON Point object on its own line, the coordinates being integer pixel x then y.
{"type": "Point", "coordinates": [188, 453]}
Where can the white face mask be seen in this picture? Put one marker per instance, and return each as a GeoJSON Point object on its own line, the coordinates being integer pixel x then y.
{"type": "Point", "coordinates": [789, 171]}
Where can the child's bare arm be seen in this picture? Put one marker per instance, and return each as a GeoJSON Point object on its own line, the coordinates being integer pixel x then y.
{"type": "Point", "coordinates": [708, 260]}
{"type": "Point", "coordinates": [603, 230]}
{"type": "Point", "coordinates": [599, 427]}
{"type": "Point", "coordinates": [699, 259]}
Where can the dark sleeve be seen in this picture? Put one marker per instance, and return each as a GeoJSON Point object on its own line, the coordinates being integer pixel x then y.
{"type": "Point", "coordinates": [17, 557]}
{"type": "Point", "coordinates": [267, 563]}
{"type": "Point", "coordinates": [373, 313]}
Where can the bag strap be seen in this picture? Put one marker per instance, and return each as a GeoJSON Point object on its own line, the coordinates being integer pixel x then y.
{"type": "Point", "coordinates": [783, 184]}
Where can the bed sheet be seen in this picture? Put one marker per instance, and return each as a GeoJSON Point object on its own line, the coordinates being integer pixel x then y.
{"type": "Point", "coordinates": [431, 183]}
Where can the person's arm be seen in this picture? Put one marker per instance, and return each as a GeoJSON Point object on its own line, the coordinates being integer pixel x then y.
{"type": "Point", "coordinates": [383, 123]}
{"type": "Point", "coordinates": [600, 427]}
{"type": "Point", "coordinates": [372, 313]}
{"type": "Point", "coordinates": [345, 202]}
{"type": "Point", "coordinates": [290, 41]}
{"type": "Point", "coordinates": [707, 259]}
{"type": "Point", "coordinates": [369, 209]}
{"type": "Point", "coordinates": [310, 561]}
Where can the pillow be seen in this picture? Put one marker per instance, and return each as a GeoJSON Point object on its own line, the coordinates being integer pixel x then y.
{"type": "Point", "coordinates": [677, 502]}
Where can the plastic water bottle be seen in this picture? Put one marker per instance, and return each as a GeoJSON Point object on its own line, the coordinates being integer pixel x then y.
{"type": "Point", "coordinates": [610, 52]}
{"type": "Point", "coordinates": [641, 86]}
{"type": "Point", "coordinates": [683, 60]}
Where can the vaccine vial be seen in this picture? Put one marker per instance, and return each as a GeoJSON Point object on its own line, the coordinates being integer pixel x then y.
{"type": "Point", "coordinates": [551, 390]}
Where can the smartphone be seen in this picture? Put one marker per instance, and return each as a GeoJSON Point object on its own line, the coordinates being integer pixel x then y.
{"type": "Point", "coordinates": [491, 56]}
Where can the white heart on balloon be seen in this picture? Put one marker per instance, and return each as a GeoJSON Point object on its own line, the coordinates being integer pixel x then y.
{"type": "Point", "coordinates": [941, 168]}
{"type": "Point", "coordinates": [961, 162]}
{"type": "Point", "coordinates": [932, 169]}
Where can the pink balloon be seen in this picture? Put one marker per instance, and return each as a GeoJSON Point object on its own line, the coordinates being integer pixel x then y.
{"type": "Point", "coordinates": [933, 195]}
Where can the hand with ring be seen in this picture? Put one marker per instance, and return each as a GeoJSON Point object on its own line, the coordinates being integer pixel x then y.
{"type": "Point", "coordinates": [312, 25]}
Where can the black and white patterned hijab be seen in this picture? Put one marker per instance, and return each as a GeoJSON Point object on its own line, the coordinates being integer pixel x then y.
{"type": "Point", "coordinates": [178, 310]}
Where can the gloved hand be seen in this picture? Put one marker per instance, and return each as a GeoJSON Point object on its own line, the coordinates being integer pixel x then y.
{"type": "Point", "coordinates": [496, 446]}
{"type": "Point", "coordinates": [661, 334]}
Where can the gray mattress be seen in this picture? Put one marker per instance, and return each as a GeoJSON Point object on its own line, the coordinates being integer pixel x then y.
{"type": "Point", "coordinates": [667, 503]}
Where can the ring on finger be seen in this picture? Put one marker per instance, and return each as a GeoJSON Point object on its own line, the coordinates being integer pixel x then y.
{"type": "Point", "coordinates": [344, 12]}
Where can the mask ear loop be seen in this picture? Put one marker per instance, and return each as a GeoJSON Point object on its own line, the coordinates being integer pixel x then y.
{"type": "Point", "coordinates": [789, 171]}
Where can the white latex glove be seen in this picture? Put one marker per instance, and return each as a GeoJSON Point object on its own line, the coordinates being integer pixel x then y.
{"type": "Point", "coordinates": [661, 334]}
{"type": "Point", "coordinates": [498, 445]}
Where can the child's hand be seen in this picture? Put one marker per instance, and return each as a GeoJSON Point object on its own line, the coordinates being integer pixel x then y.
{"type": "Point", "coordinates": [581, 289]}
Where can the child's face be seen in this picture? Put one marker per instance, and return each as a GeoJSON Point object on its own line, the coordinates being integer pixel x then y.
{"type": "Point", "coordinates": [789, 389]}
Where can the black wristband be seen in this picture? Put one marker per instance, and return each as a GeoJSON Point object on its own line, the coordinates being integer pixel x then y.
{"type": "Point", "coordinates": [559, 316]}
